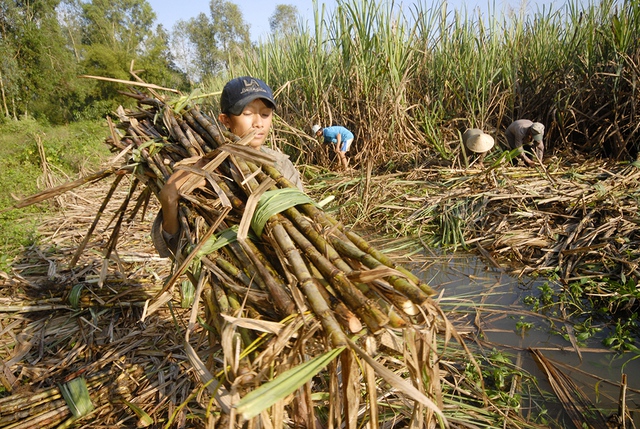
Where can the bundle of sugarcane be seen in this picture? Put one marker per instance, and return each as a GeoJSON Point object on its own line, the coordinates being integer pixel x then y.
{"type": "Point", "coordinates": [79, 396]}
{"type": "Point", "coordinates": [269, 265]}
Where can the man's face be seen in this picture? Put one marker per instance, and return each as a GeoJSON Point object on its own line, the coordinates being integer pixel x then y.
{"type": "Point", "coordinates": [257, 115]}
{"type": "Point", "coordinates": [528, 138]}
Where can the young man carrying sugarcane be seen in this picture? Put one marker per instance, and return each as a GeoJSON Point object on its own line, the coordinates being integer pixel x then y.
{"type": "Point", "coordinates": [340, 138]}
{"type": "Point", "coordinates": [246, 105]}
{"type": "Point", "coordinates": [525, 134]}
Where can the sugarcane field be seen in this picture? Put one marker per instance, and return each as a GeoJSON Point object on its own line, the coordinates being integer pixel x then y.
{"type": "Point", "coordinates": [390, 217]}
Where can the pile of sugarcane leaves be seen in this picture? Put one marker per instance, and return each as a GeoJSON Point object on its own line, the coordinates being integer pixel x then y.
{"type": "Point", "coordinates": [576, 219]}
{"type": "Point", "coordinates": [273, 313]}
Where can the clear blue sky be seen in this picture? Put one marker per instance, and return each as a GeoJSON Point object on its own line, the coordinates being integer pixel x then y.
{"type": "Point", "coordinates": [257, 12]}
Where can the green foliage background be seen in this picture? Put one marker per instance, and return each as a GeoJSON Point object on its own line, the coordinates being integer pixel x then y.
{"type": "Point", "coordinates": [69, 150]}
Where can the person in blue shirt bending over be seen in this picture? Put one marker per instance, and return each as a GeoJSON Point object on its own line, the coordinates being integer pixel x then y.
{"type": "Point", "coordinates": [340, 137]}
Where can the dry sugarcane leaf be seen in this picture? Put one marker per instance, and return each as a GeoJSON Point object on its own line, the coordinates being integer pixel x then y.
{"type": "Point", "coordinates": [400, 383]}
{"type": "Point", "coordinates": [253, 324]}
{"type": "Point", "coordinates": [223, 397]}
{"type": "Point", "coordinates": [578, 406]}
{"type": "Point", "coordinates": [252, 202]}
{"type": "Point", "coordinates": [373, 274]}
{"type": "Point", "coordinates": [130, 83]}
{"type": "Point", "coordinates": [248, 153]}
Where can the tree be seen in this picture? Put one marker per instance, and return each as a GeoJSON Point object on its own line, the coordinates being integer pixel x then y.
{"type": "Point", "coordinates": [36, 65]}
{"type": "Point", "coordinates": [158, 63]}
{"type": "Point", "coordinates": [117, 34]}
{"type": "Point", "coordinates": [216, 42]}
{"type": "Point", "coordinates": [232, 33]}
{"type": "Point", "coordinates": [284, 19]}
{"type": "Point", "coordinates": [122, 25]}
{"type": "Point", "coordinates": [183, 51]}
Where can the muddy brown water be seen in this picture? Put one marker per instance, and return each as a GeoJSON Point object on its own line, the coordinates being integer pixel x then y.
{"type": "Point", "coordinates": [488, 304]}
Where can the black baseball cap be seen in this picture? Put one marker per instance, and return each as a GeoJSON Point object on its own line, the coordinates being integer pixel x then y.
{"type": "Point", "coordinates": [239, 92]}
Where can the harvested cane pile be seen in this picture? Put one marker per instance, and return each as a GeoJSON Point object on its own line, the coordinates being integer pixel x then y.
{"type": "Point", "coordinates": [306, 324]}
{"type": "Point", "coordinates": [295, 287]}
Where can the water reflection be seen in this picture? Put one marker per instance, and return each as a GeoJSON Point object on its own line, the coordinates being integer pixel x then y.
{"type": "Point", "coordinates": [487, 304]}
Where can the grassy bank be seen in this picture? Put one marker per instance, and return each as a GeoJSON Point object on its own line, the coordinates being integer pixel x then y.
{"type": "Point", "coordinates": [34, 157]}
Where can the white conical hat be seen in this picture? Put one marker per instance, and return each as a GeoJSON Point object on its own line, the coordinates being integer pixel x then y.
{"type": "Point", "coordinates": [480, 143]}
{"type": "Point", "coordinates": [470, 132]}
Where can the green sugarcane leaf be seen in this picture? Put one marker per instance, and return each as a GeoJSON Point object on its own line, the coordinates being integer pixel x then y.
{"type": "Point", "coordinates": [145, 419]}
{"type": "Point", "coordinates": [76, 395]}
{"type": "Point", "coordinates": [181, 102]}
{"type": "Point", "coordinates": [283, 385]}
{"type": "Point", "coordinates": [75, 295]}
{"type": "Point", "coordinates": [187, 294]}
{"type": "Point", "coordinates": [273, 202]}
{"type": "Point", "coordinates": [218, 242]}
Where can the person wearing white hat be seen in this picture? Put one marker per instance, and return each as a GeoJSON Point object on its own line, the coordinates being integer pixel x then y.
{"type": "Point", "coordinates": [478, 142]}
{"type": "Point", "coordinates": [525, 134]}
{"type": "Point", "coordinates": [339, 136]}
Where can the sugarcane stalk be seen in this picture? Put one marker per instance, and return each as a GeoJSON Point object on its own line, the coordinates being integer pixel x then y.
{"type": "Point", "coordinates": [284, 232]}
{"type": "Point", "coordinates": [395, 319]}
{"type": "Point", "coordinates": [141, 201]}
{"type": "Point", "coordinates": [411, 291]}
{"type": "Point", "coordinates": [273, 172]}
{"type": "Point", "coordinates": [194, 138]}
{"type": "Point", "coordinates": [212, 311]}
{"type": "Point", "coordinates": [330, 252]}
{"type": "Point", "coordinates": [309, 286]}
{"type": "Point", "coordinates": [229, 269]}
{"type": "Point", "coordinates": [307, 282]}
{"type": "Point", "coordinates": [327, 221]}
{"type": "Point", "coordinates": [174, 152]}
{"type": "Point", "coordinates": [176, 132]}
{"type": "Point", "coordinates": [366, 309]}
{"type": "Point", "coordinates": [159, 170]}
{"type": "Point", "coordinates": [13, 404]}
{"type": "Point", "coordinates": [140, 138]}
{"type": "Point", "coordinates": [231, 276]}
{"type": "Point", "coordinates": [24, 414]}
{"type": "Point", "coordinates": [363, 245]}
{"type": "Point", "coordinates": [59, 190]}
{"type": "Point", "coordinates": [113, 239]}
{"type": "Point", "coordinates": [345, 316]}
{"type": "Point", "coordinates": [47, 419]}
{"type": "Point", "coordinates": [266, 260]}
{"type": "Point", "coordinates": [284, 303]}
{"type": "Point", "coordinates": [248, 265]}
{"type": "Point", "coordinates": [212, 130]}
{"type": "Point", "coordinates": [106, 200]}
{"type": "Point", "coordinates": [209, 142]}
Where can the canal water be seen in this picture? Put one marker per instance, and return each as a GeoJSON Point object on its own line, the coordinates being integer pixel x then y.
{"type": "Point", "coordinates": [489, 304]}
